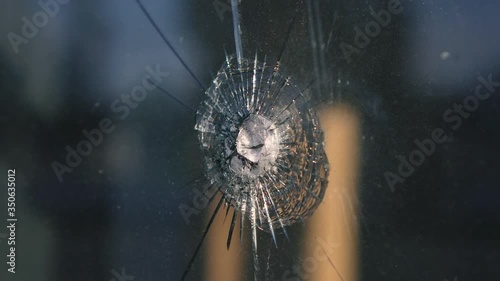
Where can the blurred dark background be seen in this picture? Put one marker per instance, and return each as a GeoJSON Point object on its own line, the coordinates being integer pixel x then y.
{"type": "Point", "coordinates": [118, 210]}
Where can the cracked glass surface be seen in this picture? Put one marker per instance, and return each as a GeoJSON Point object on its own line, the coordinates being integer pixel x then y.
{"type": "Point", "coordinates": [135, 207]}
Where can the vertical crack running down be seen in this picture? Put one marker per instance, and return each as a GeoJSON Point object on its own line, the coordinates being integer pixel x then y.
{"type": "Point", "coordinates": [237, 30]}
